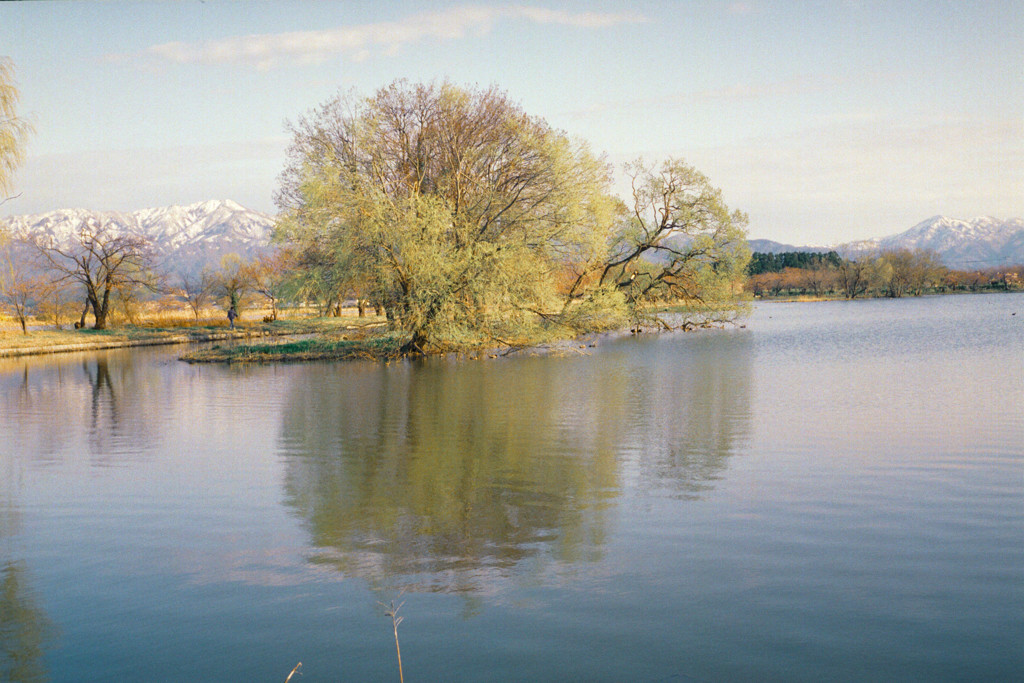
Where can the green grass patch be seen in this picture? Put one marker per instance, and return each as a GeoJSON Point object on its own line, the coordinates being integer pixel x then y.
{"type": "Point", "coordinates": [380, 347]}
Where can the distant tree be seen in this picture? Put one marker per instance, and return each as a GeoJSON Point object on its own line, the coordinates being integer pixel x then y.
{"type": "Point", "coordinates": [233, 280]}
{"type": "Point", "coordinates": [908, 271]}
{"type": "Point", "coordinates": [57, 305]}
{"type": "Point", "coordinates": [1006, 277]}
{"type": "Point", "coordinates": [854, 276]}
{"type": "Point", "coordinates": [127, 296]}
{"type": "Point", "coordinates": [101, 261]}
{"type": "Point", "coordinates": [23, 287]}
{"type": "Point", "coordinates": [269, 277]}
{"type": "Point", "coordinates": [793, 280]}
{"type": "Point", "coordinates": [14, 129]}
{"type": "Point", "coordinates": [768, 283]}
{"type": "Point", "coordinates": [821, 277]}
{"type": "Point", "coordinates": [894, 270]}
{"type": "Point", "coordinates": [761, 262]}
{"type": "Point", "coordinates": [927, 271]}
{"type": "Point", "coordinates": [197, 288]}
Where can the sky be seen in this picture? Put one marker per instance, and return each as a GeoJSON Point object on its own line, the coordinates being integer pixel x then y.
{"type": "Point", "coordinates": [824, 121]}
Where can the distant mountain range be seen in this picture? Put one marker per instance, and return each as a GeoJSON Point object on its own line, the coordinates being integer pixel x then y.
{"type": "Point", "coordinates": [188, 237]}
{"type": "Point", "coordinates": [773, 247]}
{"type": "Point", "coordinates": [967, 245]}
{"type": "Point", "coordinates": [185, 238]}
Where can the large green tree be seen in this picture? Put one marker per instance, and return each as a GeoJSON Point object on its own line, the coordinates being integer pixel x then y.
{"type": "Point", "coordinates": [469, 220]}
{"type": "Point", "coordinates": [453, 206]}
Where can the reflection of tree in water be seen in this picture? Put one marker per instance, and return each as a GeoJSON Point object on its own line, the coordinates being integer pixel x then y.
{"type": "Point", "coordinates": [103, 413]}
{"type": "Point", "coordinates": [105, 401]}
{"type": "Point", "coordinates": [449, 474]}
{"type": "Point", "coordinates": [24, 628]}
{"type": "Point", "coordinates": [22, 402]}
{"type": "Point", "coordinates": [693, 412]}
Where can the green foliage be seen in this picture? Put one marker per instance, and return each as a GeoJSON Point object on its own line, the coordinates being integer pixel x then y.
{"type": "Point", "coordinates": [471, 222]}
{"type": "Point", "coordinates": [14, 130]}
{"type": "Point", "coordinates": [320, 348]}
{"type": "Point", "coordinates": [761, 262]}
{"type": "Point", "coordinates": [679, 243]}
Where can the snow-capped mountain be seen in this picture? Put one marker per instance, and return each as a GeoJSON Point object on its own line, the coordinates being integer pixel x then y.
{"type": "Point", "coordinates": [185, 238]}
{"type": "Point", "coordinates": [963, 244]}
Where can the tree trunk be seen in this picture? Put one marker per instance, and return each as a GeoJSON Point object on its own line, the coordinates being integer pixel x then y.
{"type": "Point", "coordinates": [416, 344]}
{"type": "Point", "coordinates": [81, 323]}
{"type": "Point", "coordinates": [101, 311]}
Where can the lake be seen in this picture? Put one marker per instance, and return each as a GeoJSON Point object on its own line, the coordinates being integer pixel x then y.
{"type": "Point", "coordinates": [835, 491]}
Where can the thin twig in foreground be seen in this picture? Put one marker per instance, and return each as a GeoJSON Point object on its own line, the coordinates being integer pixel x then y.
{"type": "Point", "coordinates": [392, 612]}
{"type": "Point", "coordinates": [294, 671]}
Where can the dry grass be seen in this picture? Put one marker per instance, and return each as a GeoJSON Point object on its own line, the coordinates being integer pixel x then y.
{"type": "Point", "coordinates": [157, 330]}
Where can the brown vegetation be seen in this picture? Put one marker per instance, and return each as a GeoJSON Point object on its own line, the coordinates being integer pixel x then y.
{"type": "Point", "coordinates": [894, 274]}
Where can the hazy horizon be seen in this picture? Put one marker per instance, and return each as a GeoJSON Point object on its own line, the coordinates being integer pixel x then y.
{"type": "Point", "coordinates": [826, 123]}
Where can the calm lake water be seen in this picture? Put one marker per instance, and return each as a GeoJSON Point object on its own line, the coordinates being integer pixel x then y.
{"type": "Point", "coordinates": [834, 492]}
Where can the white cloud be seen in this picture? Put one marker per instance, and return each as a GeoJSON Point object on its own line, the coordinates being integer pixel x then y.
{"type": "Point", "coordinates": [359, 42]}
{"type": "Point", "coordinates": [581, 19]}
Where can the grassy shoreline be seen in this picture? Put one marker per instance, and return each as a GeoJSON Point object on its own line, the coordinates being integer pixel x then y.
{"type": "Point", "coordinates": [375, 347]}
{"type": "Point", "coordinates": [331, 339]}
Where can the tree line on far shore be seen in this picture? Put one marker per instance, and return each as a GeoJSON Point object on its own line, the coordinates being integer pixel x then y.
{"type": "Point", "coordinates": [102, 276]}
{"type": "Point", "coordinates": [891, 273]}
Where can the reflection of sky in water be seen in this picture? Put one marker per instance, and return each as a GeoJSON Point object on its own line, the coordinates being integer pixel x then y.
{"type": "Point", "coordinates": [890, 375]}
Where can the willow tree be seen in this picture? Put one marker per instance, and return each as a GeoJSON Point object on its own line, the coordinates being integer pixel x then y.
{"type": "Point", "coordinates": [468, 219]}
{"type": "Point", "coordinates": [14, 129]}
{"type": "Point", "coordinates": [677, 243]}
{"type": "Point", "coordinates": [454, 207]}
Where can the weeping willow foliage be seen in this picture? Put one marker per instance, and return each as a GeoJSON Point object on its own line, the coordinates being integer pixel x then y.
{"type": "Point", "coordinates": [14, 130]}
{"type": "Point", "coordinates": [681, 244]}
{"type": "Point", "coordinates": [469, 220]}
